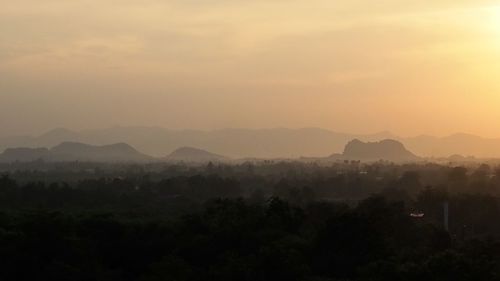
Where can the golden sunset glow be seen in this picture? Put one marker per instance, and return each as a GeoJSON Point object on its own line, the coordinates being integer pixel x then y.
{"type": "Point", "coordinates": [357, 66]}
{"type": "Point", "coordinates": [494, 18]}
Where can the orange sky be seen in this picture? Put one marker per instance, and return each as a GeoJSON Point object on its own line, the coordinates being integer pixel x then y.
{"type": "Point", "coordinates": [411, 67]}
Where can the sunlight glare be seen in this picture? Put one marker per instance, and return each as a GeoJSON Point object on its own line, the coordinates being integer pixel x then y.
{"type": "Point", "coordinates": [494, 18]}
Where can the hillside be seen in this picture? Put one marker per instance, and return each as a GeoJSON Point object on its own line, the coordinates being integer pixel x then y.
{"type": "Point", "coordinates": [390, 150]}
{"type": "Point", "coordinates": [73, 151]}
{"type": "Point", "coordinates": [235, 143]}
{"type": "Point", "coordinates": [258, 143]}
{"type": "Point", "coordinates": [119, 152]}
{"type": "Point", "coordinates": [194, 155]}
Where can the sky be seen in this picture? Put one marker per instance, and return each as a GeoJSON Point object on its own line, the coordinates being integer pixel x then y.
{"type": "Point", "coordinates": [406, 66]}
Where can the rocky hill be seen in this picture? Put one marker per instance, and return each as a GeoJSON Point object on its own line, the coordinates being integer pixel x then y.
{"type": "Point", "coordinates": [390, 150]}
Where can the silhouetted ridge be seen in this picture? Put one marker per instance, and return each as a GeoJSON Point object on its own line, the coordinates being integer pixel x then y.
{"type": "Point", "coordinates": [259, 143]}
{"type": "Point", "coordinates": [390, 150]}
{"type": "Point", "coordinates": [74, 151]}
{"type": "Point", "coordinates": [73, 147]}
{"type": "Point", "coordinates": [60, 133]}
{"type": "Point", "coordinates": [119, 152]}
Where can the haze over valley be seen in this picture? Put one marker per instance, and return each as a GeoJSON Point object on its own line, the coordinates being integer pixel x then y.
{"type": "Point", "coordinates": [257, 143]}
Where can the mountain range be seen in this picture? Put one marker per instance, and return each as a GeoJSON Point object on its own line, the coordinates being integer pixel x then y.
{"type": "Point", "coordinates": [258, 143]}
{"type": "Point", "coordinates": [389, 150]}
{"type": "Point", "coordinates": [72, 151]}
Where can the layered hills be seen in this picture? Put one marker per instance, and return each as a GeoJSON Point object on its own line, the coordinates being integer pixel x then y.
{"type": "Point", "coordinates": [259, 143]}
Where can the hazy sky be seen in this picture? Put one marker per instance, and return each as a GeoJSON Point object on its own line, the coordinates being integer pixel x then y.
{"type": "Point", "coordinates": [408, 66]}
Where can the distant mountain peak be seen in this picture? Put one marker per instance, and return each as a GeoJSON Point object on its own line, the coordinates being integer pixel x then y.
{"type": "Point", "coordinates": [256, 143]}
{"type": "Point", "coordinates": [462, 136]}
{"type": "Point", "coordinates": [75, 151]}
{"type": "Point", "coordinates": [388, 149]}
{"type": "Point", "coordinates": [192, 154]}
{"type": "Point", "coordinates": [77, 147]}
{"type": "Point", "coordinates": [354, 142]}
{"type": "Point", "coordinates": [122, 146]}
{"type": "Point", "coordinates": [71, 144]}
{"type": "Point", "coordinates": [59, 132]}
